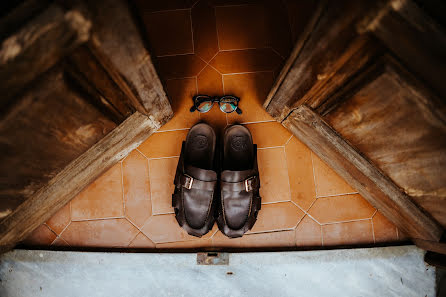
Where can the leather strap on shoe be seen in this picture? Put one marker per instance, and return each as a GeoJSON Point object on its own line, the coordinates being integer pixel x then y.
{"type": "Point", "coordinates": [189, 182]}
{"type": "Point", "coordinates": [248, 185]}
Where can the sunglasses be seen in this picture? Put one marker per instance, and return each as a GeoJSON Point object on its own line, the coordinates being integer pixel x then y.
{"type": "Point", "coordinates": [227, 104]}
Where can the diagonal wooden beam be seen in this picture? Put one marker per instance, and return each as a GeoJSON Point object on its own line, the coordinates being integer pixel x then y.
{"type": "Point", "coordinates": [70, 181]}
{"type": "Point", "coordinates": [359, 172]}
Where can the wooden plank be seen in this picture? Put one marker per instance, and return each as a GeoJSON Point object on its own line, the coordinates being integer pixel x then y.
{"type": "Point", "coordinates": [38, 46]}
{"type": "Point", "coordinates": [413, 155]}
{"type": "Point", "coordinates": [372, 184]}
{"type": "Point", "coordinates": [46, 128]}
{"type": "Point", "coordinates": [414, 37]}
{"type": "Point", "coordinates": [296, 50]}
{"type": "Point", "coordinates": [96, 80]}
{"type": "Point", "coordinates": [433, 246]}
{"type": "Point", "coordinates": [13, 18]}
{"type": "Point", "coordinates": [329, 58]}
{"type": "Point", "coordinates": [70, 181]}
{"type": "Point", "coordinates": [118, 38]}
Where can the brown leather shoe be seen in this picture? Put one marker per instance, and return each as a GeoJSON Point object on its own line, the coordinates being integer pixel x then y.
{"type": "Point", "coordinates": [195, 181]}
{"type": "Point", "coordinates": [239, 186]}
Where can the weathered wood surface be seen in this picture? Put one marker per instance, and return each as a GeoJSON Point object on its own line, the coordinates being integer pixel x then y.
{"type": "Point", "coordinates": [50, 125]}
{"type": "Point", "coordinates": [97, 81]}
{"type": "Point", "coordinates": [118, 38]}
{"type": "Point", "coordinates": [70, 181]}
{"type": "Point", "coordinates": [360, 173]}
{"type": "Point", "coordinates": [414, 37]}
{"type": "Point", "coordinates": [433, 246]}
{"type": "Point", "coordinates": [38, 46]}
{"type": "Point", "coordinates": [331, 56]}
{"type": "Point", "coordinates": [303, 37]}
{"type": "Point", "coordinates": [401, 127]}
{"type": "Point", "coordinates": [14, 14]}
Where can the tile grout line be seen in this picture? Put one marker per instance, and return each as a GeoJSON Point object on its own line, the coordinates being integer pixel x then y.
{"type": "Point", "coordinates": [174, 55]}
{"type": "Point", "coordinates": [277, 53]}
{"type": "Point", "coordinates": [177, 78]}
{"type": "Point", "coordinates": [250, 48]}
{"type": "Point", "coordinates": [347, 221]}
{"type": "Point", "coordinates": [314, 174]}
{"type": "Point", "coordinates": [257, 122]}
{"type": "Point", "coordinates": [150, 188]}
{"type": "Point", "coordinates": [63, 230]}
{"type": "Point", "coordinates": [139, 229]}
{"type": "Point", "coordinates": [161, 158]}
{"type": "Point", "coordinates": [172, 130]}
{"type": "Point", "coordinates": [54, 232]}
{"type": "Point", "coordinates": [99, 219]}
{"type": "Point", "coordinates": [216, 29]}
{"type": "Point", "coordinates": [373, 231]}
{"type": "Point", "coordinates": [270, 231]}
{"type": "Point", "coordinates": [168, 10]}
{"type": "Point", "coordinates": [247, 72]}
{"type": "Point", "coordinates": [288, 174]}
{"type": "Point", "coordinates": [289, 139]}
{"type": "Point", "coordinates": [192, 30]}
{"type": "Point", "coordinates": [275, 202]}
{"type": "Point", "coordinates": [337, 195]}
{"type": "Point", "coordinates": [270, 147]}
{"type": "Point", "coordinates": [122, 187]}
{"type": "Point", "coordinates": [306, 212]}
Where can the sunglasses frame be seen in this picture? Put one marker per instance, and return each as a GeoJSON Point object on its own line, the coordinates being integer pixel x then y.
{"type": "Point", "coordinates": [212, 100]}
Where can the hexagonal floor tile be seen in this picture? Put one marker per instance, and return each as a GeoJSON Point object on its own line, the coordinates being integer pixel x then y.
{"type": "Point", "coordinates": [274, 185]}
{"type": "Point", "coordinates": [163, 144]}
{"type": "Point", "coordinates": [100, 233]}
{"type": "Point", "coordinates": [300, 173]}
{"type": "Point", "coordinates": [341, 208]}
{"type": "Point", "coordinates": [135, 171]}
{"type": "Point", "coordinates": [277, 216]}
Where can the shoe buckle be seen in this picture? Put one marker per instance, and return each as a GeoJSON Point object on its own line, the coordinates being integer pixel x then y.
{"type": "Point", "coordinates": [248, 183]}
{"type": "Point", "coordinates": [189, 181]}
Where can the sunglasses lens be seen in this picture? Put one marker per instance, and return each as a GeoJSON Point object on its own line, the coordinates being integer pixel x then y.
{"type": "Point", "coordinates": [228, 104]}
{"type": "Point", "coordinates": [204, 106]}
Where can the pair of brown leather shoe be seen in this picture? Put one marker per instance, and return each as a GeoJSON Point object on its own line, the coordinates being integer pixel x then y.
{"type": "Point", "coordinates": [213, 184]}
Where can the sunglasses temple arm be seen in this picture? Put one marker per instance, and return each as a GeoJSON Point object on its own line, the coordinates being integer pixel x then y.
{"type": "Point", "coordinates": [193, 108]}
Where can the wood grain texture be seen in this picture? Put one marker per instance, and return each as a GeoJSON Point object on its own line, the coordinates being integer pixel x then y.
{"type": "Point", "coordinates": [401, 127]}
{"type": "Point", "coordinates": [433, 246]}
{"type": "Point", "coordinates": [371, 183]}
{"type": "Point", "coordinates": [312, 21]}
{"type": "Point", "coordinates": [47, 127]}
{"type": "Point", "coordinates": [38, 46]}
{"type": "Point", "coordinates": [71, 180]}
{"type": "Point", "coordinates": [414, 37]}
{"type": "Point", "coordinates": [328, 59]}
{"type": "Point", "coordinates": [118, 38]}
{"type": "Point", "coordinates": [96, 80]}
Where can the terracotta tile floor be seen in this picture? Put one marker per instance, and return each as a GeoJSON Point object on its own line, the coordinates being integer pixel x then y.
{"type": "Point", "coordinates": [215, 48]}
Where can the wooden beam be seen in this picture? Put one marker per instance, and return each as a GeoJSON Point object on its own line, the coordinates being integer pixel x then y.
{"type": "Point", "coordinates": [118, 38]}
{"type": "Point", "coordinates": [361, 174]}
{"type": "Point", "coordinates": [38, 46]}
{"type": "Point", "coordinates": [70, 181]}
{"type": "Point", "coordinates": [414, 37]}
{"type": "Point", "coordinates": [433, 246]}
{"type": "Point", "coordinates": [329, 57]}
{"type": "Point", "coordinates": [99, 82]}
